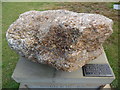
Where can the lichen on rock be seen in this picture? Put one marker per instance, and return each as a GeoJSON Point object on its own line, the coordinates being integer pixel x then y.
{"type": "Point", "coordinates": [63, 39]}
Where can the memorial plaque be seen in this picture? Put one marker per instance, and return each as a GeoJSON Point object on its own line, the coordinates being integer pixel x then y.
{"type": "Point", "coordinates": [97, 70]}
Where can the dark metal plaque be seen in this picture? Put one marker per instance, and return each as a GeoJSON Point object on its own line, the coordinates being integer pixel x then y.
{"type": "Point", "coordinates": [97, 70]}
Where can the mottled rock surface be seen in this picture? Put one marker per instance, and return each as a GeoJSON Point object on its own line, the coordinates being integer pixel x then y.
{"type": "Point", "coordinates": [63, 39]}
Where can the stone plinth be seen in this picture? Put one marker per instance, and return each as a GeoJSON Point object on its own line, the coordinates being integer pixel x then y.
{"type": "Point", "coordinates": [36, 75]}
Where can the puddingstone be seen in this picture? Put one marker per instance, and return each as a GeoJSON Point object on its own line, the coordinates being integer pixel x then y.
{"type": "Point", "coordinates": [63, 39]}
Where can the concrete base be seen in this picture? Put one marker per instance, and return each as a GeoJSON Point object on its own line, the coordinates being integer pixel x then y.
{"type": "Point", "coordinates": [107, 86]}
{"type": "Point", "coordinates": [36, 75]}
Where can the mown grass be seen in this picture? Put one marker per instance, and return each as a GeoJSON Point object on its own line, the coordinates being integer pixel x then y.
{"type": "Point", "coordinates": [11, 11]}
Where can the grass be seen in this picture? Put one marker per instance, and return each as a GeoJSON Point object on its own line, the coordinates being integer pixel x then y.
{"type": "Point", "coordinates": [11, 11]}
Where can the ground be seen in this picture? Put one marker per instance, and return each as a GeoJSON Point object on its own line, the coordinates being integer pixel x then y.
{"type": "Point", "coordinates": [11, 11]}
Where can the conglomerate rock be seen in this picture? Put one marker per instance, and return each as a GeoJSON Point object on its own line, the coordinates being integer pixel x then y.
{"type": "Point", "coordinates": [63, 39]}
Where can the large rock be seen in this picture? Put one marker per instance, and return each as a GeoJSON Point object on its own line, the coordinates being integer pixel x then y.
{"type": "Point", "coordinates": [64, 39]}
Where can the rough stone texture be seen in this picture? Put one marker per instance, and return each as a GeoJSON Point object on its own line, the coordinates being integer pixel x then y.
{"type": "Point", "coordinates": [64, 39]}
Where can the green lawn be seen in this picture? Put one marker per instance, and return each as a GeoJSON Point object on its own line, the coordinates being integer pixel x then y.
{"type": "Point", "coordinates": [11, 11]}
